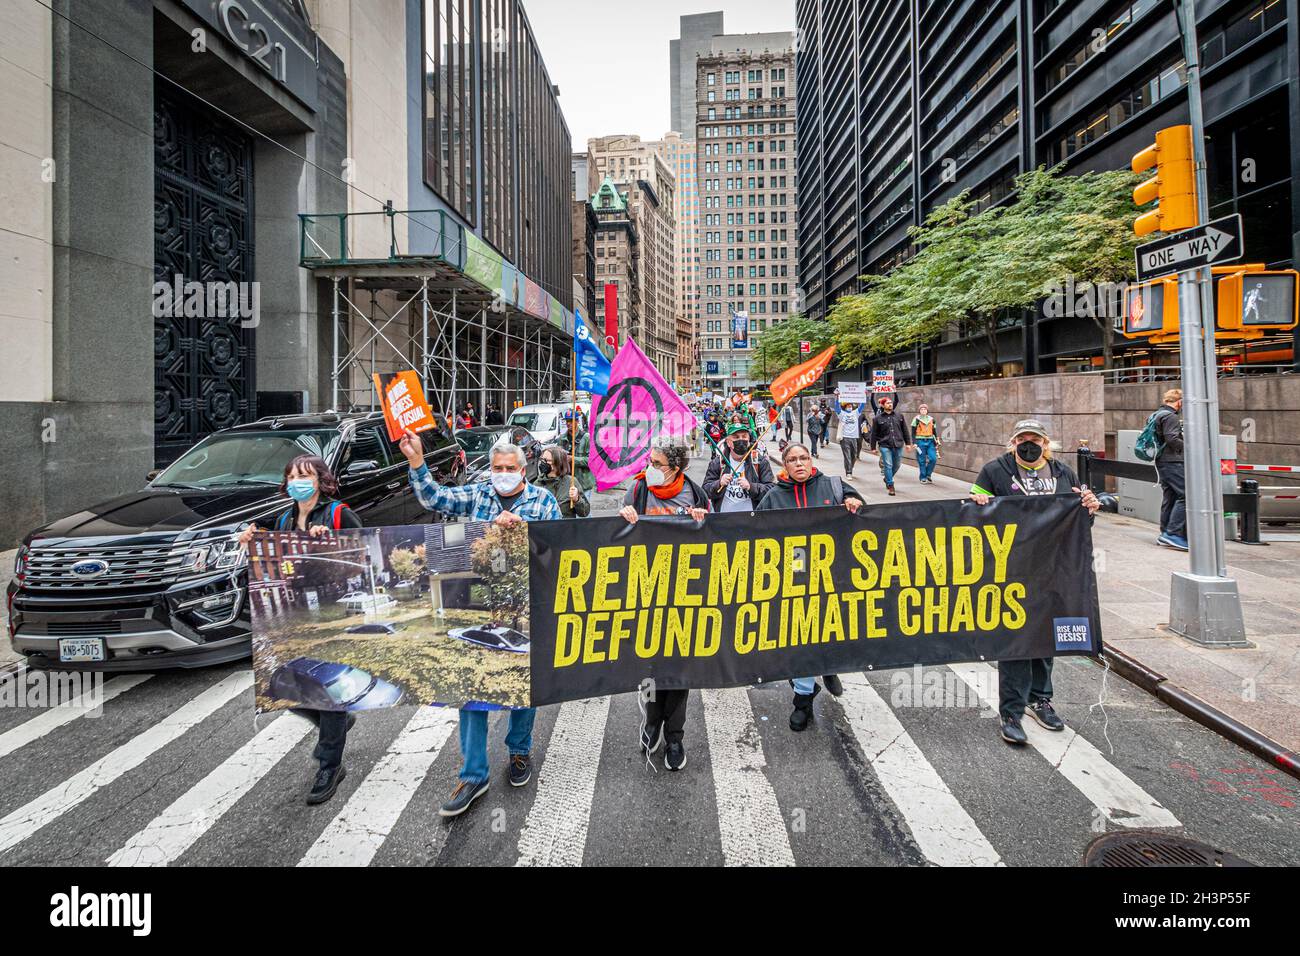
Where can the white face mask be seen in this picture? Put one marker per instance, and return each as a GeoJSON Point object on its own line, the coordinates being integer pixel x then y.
{"type": "Point", "coordinates": [655, 477]}
{"type": "Point", "coordinates": [506, 482]}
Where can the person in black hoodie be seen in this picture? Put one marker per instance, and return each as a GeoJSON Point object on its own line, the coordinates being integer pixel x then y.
{"type": "Point", "coordinates": [1169, 469]}
{"type": "Point", "coordinates": [730, 486]}
{"type": "Point", "coordinates": [1027, 468]}
{"type": "Point", "coordinates": [312, 486]}
{"type": "Point", "coordinates": [889, 433]}
{"type": "Point", "coordinates": [800, 485]}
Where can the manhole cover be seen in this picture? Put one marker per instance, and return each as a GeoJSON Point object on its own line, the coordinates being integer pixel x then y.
{"type": "Point", "coordinates": [1144, 849]}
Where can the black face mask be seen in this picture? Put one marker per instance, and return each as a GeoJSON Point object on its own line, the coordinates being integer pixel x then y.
{"type": "Point", "coordinates": [543, 468]}
{"type": "Point", "coordinates": [740, 447]}
{"type": "Point", "coordinates": [1029, 451]}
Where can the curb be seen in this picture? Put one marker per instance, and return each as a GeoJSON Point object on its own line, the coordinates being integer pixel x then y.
{"type": "Point", "coordinates": [1210, 717]}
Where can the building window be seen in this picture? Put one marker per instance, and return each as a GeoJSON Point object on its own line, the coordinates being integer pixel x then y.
{"type": "Point", "coordinates": [449, 125]}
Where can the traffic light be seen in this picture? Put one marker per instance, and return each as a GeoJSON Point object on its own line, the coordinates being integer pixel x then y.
{"type": "Point", "coordinates": [286, 568]}
{"type": "Point", "coordinates": [1258, 300]}
{"type": "Point", "coordinates": [1173, 186]}
{"type": "Point", "coordinates": [1150, 311]}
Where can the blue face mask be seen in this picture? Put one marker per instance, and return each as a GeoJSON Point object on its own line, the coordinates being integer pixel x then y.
{"type": "Point", "coordinates": [301, 489]}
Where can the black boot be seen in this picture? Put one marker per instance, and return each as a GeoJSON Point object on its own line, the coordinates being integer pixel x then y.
{"type": "Point", "coordinates": [327, 782]}
{"type": "Point", "coordinates": [802, 715]}
{"type": "Point", "coordinates": [833, 684]}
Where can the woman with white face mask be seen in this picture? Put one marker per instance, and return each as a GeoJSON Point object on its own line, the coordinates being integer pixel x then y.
{"type": "Point", "coordinates": [312, 486]}
{"type": "Point", "coordinates": [664, 490]}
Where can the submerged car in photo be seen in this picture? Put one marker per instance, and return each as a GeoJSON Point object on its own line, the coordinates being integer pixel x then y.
{"type": "Point", "coordinates": [374, 627]}
{"type": "Point", "coordinates": [493, 637]}
{"type": "Point", "coordinates": [327, 685]}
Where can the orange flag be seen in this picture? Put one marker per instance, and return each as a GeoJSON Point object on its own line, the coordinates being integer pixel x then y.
{"type": "Point", "coordinates": [794, 380]}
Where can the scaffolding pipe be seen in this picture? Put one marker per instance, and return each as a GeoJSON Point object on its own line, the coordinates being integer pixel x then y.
{"type": "Point", "coordinates": [334, 371]}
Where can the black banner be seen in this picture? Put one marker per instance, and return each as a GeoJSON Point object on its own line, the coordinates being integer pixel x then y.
{"type": "Point", "coordinates": [746, 598]}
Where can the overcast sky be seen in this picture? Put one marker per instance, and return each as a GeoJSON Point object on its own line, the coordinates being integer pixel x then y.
{"type": "Point", "coordinates": [611, 61]}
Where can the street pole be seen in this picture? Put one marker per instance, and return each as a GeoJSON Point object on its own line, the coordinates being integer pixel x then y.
{"type": "Point", "coordinates": [1204, 603]}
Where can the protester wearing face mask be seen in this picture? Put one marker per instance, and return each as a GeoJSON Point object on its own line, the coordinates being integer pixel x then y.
{"type": "Point", "coordinates": [506, 498]}
{"type": "Point", "coordinates": [1028, 468]}
{"type": "Point", "coordinates": [553, 474]}
{"type": "Point", "coordinates": [850, 435]}
{"type": "Point", "coordinates": [315, 511]}
{"type": "Point", "coordinates": [738, 482]}
{"type": "Point", "coordinates": [800, 485]}
{"type": "Point", "coordinates": [926, 439]}
{"type": "Point", "coordinates": [664, 490]}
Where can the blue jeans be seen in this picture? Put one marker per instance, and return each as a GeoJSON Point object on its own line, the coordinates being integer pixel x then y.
{"type": "Point", "coordinates": [890, 460]}
{"type": "Point", "coordinates": [473, 739]}
{"type": "Point", "coordinates": [804, 685]}
{"type": "Point", "coordinates": [926, 456]}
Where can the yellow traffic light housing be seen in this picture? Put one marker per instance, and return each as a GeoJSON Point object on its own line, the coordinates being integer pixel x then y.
{"type": "Point", "coordinates": [1174, 185]}
{"type": "Point", "coordinates": [1150, 311]}
{"type": "Point", "coordinates": [1254, 300]}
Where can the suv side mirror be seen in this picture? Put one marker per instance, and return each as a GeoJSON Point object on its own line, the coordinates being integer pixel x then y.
{"type": "Point", "coordinates": [360, 468]}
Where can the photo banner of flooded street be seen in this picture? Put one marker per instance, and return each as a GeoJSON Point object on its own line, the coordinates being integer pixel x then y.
{"type": "Point", "coordinates": [365, 619]}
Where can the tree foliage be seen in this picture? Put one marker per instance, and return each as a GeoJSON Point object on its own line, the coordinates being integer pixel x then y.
{"type": "Point", "coordinates": [500, 559]}
{"type": "Point", "coordinates": [972, 267]}
{"type": "Point", "coordinates": [778, 349]}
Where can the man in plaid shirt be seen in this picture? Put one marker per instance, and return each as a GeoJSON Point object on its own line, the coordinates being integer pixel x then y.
{"type": "Point", "coordinates": [506, 499]}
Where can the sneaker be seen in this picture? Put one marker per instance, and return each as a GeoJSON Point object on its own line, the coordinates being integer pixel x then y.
{"type": "Point", "coordinates": [326, 784]}
{"type": "Point", "coordinates": [891, 489]}
{"type": "Point", "coordinates": [675, 755]}
{"type": "Point", "coordinates": [1013, 733]}
{"type": "Point", "coordinates": [652, 739]}
{"type": "Point", "coordinates": [521, 769]}
{"type": "Point", "coordinates": [460, 799]}
{"type": "Point", "coordinates": [833, 684]}
{"type": "Point", "coordinates": [1175, 541]}
{"type": "Point", "coordinates": [1041, 711]}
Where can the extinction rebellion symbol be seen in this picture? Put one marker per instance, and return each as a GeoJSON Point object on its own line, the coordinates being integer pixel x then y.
{"type": "Point", "coordinates": [617, 410]}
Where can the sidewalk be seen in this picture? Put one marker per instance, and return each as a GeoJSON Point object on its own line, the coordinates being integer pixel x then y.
{"type": "Point", "coordinates": [1258, 686]}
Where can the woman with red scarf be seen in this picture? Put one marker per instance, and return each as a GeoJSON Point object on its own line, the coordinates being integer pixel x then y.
{"type": "Point", "coordinates": [664, 491]}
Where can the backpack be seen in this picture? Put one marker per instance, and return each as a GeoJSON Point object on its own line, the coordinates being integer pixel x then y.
{"type": "Point", "coordinates": [285, 522]}
{"type": "Point", "coordinates": [1148, 443]}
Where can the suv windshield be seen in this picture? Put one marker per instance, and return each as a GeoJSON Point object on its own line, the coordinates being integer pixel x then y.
{"type": "Point", "coordinates": [478, 443]}
{"type": "Point", "coordinates": [534, 421]}
{"type": "Point", "coordinates": [245, 458]}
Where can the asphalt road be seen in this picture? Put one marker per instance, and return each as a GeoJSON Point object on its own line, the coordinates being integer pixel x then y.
{"type": "Point", "coordinates": [907, 768]}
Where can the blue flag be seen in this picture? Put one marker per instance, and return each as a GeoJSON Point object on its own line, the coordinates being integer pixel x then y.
{"type": "Point", "coordinates": [592, 368]}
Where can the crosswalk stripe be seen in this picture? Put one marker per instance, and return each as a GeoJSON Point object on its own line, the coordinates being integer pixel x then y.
{"type": "Point", "coordinates": [749, 817]}
{"type": "Point", "coordinates": [31, 817]}
{"type": "Point", "coordinates": [1123, 802]}
{"type": "Point", "coordinates": [555, 831]}
{"type": "Point", "coordinates": [944, 831]}
{"type": "Point", "coordinates": [179, 827]}
{"type": "Point", "coordinates": [355, 835]}
{"type": "Point", "coordinates": [55, 717]}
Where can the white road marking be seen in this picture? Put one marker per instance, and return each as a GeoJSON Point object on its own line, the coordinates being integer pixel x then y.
{"type": "Point", "coordinates": [940, 825]}
{"type": "Point", "coordinates": [361, 827]}
{"type": "Point", "coordinates": [28, 819]}
{"type": "Point", "coordinates": [181, 825]}
{"type": "Point", "coordinates": [56, 717]}
{"type": "Point", "coordinates": [1122, 801]}
{"type": "Point", "coordinates": [749, 817]}
{"type": "Point", "coordinates": [555, 831]}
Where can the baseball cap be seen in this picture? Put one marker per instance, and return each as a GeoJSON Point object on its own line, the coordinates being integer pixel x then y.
{"type": "Point", "coordinates": [738, 427]}
{"type": "Point", "coordinates": [1031, 425]}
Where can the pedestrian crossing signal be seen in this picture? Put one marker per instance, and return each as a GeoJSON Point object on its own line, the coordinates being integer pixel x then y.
{"type": "Point", "coordinates": [1173, 186]}
{"type": "Point", "coordinates": [1150, 310]}
{"type": "Point", "coordinates": [1258, 301]}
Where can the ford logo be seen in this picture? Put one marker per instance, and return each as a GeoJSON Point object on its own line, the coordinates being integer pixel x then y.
{"type": "Point", "coordinates": [89, 569]}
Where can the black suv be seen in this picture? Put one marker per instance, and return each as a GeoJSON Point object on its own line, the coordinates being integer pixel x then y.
{"type": "Point", "coordinates": [155, 579]}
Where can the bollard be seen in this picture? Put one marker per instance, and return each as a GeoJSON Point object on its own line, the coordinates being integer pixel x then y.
{"type": "Point", "coordinates": [1250, 514]}
{"type": "Point", "coordinates": [1083, 458]}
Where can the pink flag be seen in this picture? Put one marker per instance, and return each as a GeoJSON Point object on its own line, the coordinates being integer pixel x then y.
{"type": "Point", "coordinates": [638, 407]}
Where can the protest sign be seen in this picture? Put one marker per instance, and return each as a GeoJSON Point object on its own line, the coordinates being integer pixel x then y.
{"type": "Point", "coordinates": [402, 400]}
{"type": "Point", "coordinates": [855, 392]}
{"type": "Point", "coordinates": [742, 598]}
{"type": "Point", "coordinates": [882, 381]}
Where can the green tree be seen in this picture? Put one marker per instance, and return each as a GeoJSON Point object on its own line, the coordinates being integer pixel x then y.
{"type": "Point", "coordinates": [778, 349]}
{"type": "Point", "coordinates": [500, 559]}
{"type": "Point", "coordinates": [973, 268]}
{"type": "Point", "coordinates": [407, 563]}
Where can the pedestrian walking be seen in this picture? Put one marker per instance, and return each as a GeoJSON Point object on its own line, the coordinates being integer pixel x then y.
{"type": "Point", "coordinates": [800, 485]}
{"type": "Point", "coordinates": [789, 423]}
{"type": "Point", "coordinates": [315, 511]}
{"type": "Point", "coordinates": [814, 426]}
{"type": "Point", "coordinates": [506, 498]}
{"type": "Point", "coordinates": [1170, 470]}
{"type": "Point", "coordinates": [850, 435]}
{"type": "Point", "coordinates": [664, 490]}
{"type": "Point", "coordinates": [890, 434]}
{"type": "Point", "coordinates": [926, 439]}
{"type": "Point", "coordinates": [1027, 468]}
{"type": "Point", "coordinates": [738, 482]}
{"type": "Point", "coordinates": [554, 473]}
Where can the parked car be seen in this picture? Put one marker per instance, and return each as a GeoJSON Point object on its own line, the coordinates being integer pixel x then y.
{"type": "Point", "coordinates": [545, 422]}
{"type": "Point", "coordinates": [326, 685]}
{"type": "Point", "coordinates": [479, 441]}
{"type": "Point", "coordinates": [155, 578]}
{"type": "Point", "coordinates": [494, 637]}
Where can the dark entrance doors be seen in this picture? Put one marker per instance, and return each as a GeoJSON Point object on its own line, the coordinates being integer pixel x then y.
{"type": "Point", "coordinates": [203, 233]}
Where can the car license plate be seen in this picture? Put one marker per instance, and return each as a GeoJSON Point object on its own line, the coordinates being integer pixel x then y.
{"type": "Point", "coordinates": [81, 649]}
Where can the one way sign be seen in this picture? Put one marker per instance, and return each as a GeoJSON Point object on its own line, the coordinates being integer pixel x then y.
{"type": "Point", "coordinates": [1212, 243]}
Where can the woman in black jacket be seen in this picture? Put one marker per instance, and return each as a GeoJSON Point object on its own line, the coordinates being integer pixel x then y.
{"type": "Point", "coordinates": [1027, 468]}
{"type": "Point", "coordinates": [315, 511]}
{"type": "Point", "coordinates": [554, 474]}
